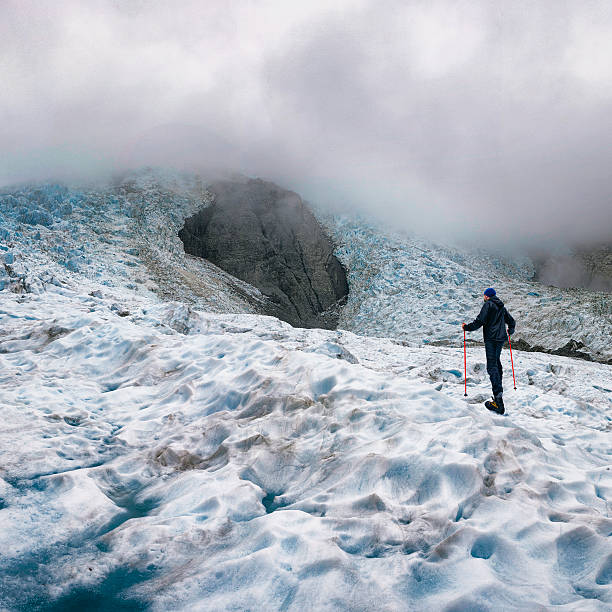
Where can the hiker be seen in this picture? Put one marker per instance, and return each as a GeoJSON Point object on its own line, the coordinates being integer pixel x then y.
{"type": "Point", "coordinates": [492, 318]}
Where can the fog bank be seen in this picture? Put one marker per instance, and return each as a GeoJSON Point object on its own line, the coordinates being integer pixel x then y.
{"type": "Point", "coordinates": [480, 121]}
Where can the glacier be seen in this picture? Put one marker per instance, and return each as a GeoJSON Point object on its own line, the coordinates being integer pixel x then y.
{"type": "Point", "coordinates": [167, 447]}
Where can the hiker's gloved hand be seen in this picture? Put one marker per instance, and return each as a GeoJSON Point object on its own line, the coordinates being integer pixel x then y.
{"type": "Point", "coordinates": [463, 326]}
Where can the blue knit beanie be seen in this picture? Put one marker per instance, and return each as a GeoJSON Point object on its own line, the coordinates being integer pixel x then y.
{"type": "Point", "coordinates": [490, 292]}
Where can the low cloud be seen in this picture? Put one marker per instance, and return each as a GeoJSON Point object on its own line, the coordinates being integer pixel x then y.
{"type": "Point", "coordinates": [480, 121]}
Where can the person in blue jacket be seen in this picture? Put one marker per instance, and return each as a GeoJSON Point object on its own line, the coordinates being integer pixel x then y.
{"type": "Point", "coordinates": [493, 318]}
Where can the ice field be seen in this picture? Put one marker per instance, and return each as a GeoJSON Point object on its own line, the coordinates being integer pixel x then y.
{"type": "Point", "coordinates": [164, 450]}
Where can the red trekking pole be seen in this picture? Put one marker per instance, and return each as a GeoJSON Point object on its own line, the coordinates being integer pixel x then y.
{"type": "Point", "coordinates": [512, 361]}
{"type": "Point", "coordinates": [465, 365]}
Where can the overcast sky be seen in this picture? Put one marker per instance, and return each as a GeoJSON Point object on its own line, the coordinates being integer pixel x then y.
{"type": "Point", "coordinates": [478, 119]}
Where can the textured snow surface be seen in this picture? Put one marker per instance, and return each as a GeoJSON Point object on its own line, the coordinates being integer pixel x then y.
{"type": "Point", "coordinates": [157, 456]}
{"type": "Point", "coordinates": [249, 465]}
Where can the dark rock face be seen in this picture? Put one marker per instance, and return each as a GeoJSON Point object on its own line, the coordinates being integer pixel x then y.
{"type": "Point", "coordinates": [267, 237]}
{"type": "Point", "coordinates": [570, 349]}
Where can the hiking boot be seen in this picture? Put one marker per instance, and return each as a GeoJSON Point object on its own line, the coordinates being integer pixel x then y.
{"type": "Point", "coordinates": [496, 405]}
{"type": "Point", "coordinates": [500, 404]}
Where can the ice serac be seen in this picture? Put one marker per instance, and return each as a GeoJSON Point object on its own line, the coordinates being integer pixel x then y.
{"type": "Point", "coordinates": [267, 236]}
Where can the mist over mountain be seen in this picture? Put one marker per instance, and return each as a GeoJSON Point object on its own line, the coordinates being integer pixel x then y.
{"type": "Point", "coordinates": [587, 266]}
{"type": "Point", "coordinates": [475, 121]}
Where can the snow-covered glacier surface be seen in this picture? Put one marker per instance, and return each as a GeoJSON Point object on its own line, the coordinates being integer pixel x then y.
{"type": "Point", "coordinates": [245, 464]}
{"type": "Point", "coordinates": [158, 455]}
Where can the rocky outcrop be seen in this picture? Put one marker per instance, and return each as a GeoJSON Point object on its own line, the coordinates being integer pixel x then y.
{"type": "Point", "coordinates": [573, 348]}
{"type": "Point", "coordinates": [266, 236]}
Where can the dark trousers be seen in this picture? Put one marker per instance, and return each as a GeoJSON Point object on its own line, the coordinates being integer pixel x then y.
{"type": "Point", "coordinates": [494, 367]}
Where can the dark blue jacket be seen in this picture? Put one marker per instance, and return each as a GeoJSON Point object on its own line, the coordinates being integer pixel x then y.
{"type": "Point", "coordinates": [492, 318]}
